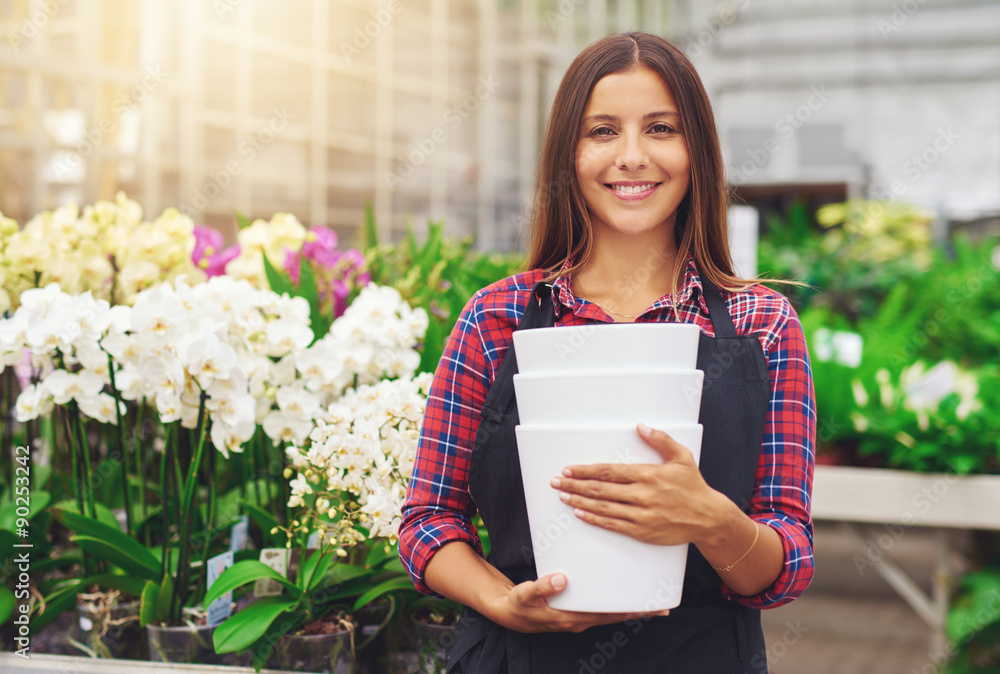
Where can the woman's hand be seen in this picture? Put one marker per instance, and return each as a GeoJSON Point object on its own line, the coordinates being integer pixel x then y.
{"type": "Point", "coordinates": [525, 608]}
{"type": "Point", "coordinates": [666, 504]}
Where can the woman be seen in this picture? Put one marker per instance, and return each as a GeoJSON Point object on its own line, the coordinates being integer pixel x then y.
{"type": "Point", "coordinates": [629, 225]}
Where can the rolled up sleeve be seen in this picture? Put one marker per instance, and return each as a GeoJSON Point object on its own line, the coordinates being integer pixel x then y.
{"type": "Point", "coordinates": [783, 488]}
{"type": "Point", "coordinates": [438, 507]}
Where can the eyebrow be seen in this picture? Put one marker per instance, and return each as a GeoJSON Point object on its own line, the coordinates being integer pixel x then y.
{"type": "Point", "coordinates": [616, 118]}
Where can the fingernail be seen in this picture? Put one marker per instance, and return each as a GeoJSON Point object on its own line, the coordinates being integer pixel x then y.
{"type": "Point", "coordinates": [558, 581]}
{"type": "Point", "coordinates": [564, 498]}
{"type": "Point", "coordinates": [555, 482]}
{"type": "Point", "coordinates": [567, 472]}
{"type": "Point", "coordinates": [644, 429]}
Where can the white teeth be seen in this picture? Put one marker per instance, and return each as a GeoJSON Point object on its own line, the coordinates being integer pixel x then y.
{"type": "Point", "coordinates": [631, 189]}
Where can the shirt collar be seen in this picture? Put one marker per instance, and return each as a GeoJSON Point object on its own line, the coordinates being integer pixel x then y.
{"type": "Point", "coordinates": [691, 291]}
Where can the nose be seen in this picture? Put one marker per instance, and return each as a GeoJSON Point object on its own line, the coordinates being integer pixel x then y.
{"type": "Point", "coordinates": [632, 153]}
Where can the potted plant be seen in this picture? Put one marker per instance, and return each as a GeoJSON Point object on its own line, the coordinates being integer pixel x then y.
{"type": "Point", "coordinates": [347, 489]}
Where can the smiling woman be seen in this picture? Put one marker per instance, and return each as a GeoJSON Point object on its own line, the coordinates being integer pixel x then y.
{"type": "Point", "coordinates": [638, 232]}
{"type": "Point", "coordinates": [633, 171]}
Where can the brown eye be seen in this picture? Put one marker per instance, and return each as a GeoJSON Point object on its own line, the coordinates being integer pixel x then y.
{"type": "Point", "coordinates": [661, 127]}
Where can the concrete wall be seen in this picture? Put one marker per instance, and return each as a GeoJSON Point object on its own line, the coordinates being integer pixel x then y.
{"type": "Point", "coordinates": [897, 99]}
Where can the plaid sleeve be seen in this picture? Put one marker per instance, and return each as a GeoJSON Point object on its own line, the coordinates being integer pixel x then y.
{"type": "Point", "coordinates": [438, 508]}
{"type": "Point", "coordinates": [783, 487]}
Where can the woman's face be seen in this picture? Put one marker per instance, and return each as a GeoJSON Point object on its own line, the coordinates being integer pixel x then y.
{"type": "Point", "coordinates": [631, 158]}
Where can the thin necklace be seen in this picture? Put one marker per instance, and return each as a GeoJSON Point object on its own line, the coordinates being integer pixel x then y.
{"type": "Point", "coordinates": [616, 313]}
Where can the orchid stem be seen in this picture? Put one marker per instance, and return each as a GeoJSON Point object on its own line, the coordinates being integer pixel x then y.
{"type": "Point", "coordinates": [122, 449]}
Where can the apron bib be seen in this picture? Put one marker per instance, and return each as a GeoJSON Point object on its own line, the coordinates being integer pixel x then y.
{"type": "Point", "coordinates": [706, 633]}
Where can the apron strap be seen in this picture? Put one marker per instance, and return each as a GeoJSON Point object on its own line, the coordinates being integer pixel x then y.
{"type": "Point", "coordinates": [535, 314]}
{"type": "Point", "coordinates": [722, 322]}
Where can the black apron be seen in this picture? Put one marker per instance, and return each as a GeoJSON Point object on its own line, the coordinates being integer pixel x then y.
{"type": "Point", "coordinates": [706, 634]}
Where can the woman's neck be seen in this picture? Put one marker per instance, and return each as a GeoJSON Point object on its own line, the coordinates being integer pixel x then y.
{"type": "Point", "coordinates": [627, 274]}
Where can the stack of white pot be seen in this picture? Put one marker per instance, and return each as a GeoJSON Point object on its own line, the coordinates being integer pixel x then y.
{"type": "Point", "coordinates": [581, 391]}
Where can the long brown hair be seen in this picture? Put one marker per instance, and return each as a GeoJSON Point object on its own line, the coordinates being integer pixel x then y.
{"type": "Point", "coordinates": [560, 224]}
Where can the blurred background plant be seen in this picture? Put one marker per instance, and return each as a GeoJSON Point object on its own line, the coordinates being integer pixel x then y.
{"type": "Point", "coordinates": [851, 253]}
{"type": "Point", "coordinates": [439, 274]}
{"type": "Point", "coordinates": [973, 624]}
{"type": "Point", "coordinates": [107, 249]}
{"type": "Point", "coordinates": [890, 317]}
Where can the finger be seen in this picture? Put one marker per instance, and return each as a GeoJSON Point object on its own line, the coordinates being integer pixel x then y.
{"type": "Point", "coordinates": [666, 446]}
{"type": "Point", "coordinates": [610, 523]}
{"type": "Point", "coordinates": [608, 491]}
{"type": "Point", "coordinates": [622, 473]}
{"type": "Point", "coordinates": [600, 507]}
{"type": "Point", "coordinates": [549, 586]}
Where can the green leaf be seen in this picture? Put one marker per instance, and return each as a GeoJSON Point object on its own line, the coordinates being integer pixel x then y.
{"type": "Point", "coordinates": [340, 574]}
{"type": "Point", "coordinates": [310, 292]}
{"type": "Point", "coordinates": [164, 598]}
{"type": "Point", "coordinates": [394, 564]}
{"type": "Point", "coordinates": [6, 604]}
{"type": "Point", "coordinates": [377, 554]}
{"type": "Point", "coordinates": [244, 628]}
{"type": "Point", "coordinates": [108, 488]}
{"type": "Point", "coordinates": [242, 221]}
{"type": "Point", "coordinates": [245, 572]}
{"type": "Point", "coordinates": [112, 581]}
{"type": "Point", "coordinates": [8, 510]}
{"type": "Point", "coordinates": [395, 583]}
{"type": "Point", "coordinates": [263, 519]}
{"type": "Point", "coordinates": [104, 514]}
{"type": "Point", "coordinates": [146, 569]}
{"type": "Point", "coordinates": [371, 232]}
{"type": "Point", "coordinates": [432, 249]}
{"type": "Point", "coordinates": [312, 571]}
{"type": "Point", "coordinates": [8, 514]}
{"type": "Point", "coordinates": [7, 540]}
{"type": "Point", "coordinates": [110, 543]}
{"type": "Point", "coordinates": [147, 607]}
{"type": "Point", "coordinates": [53, 609]}
{"type": "Point", "coordinates": [261, 649]}
{"type": "Point", "coordinates": [279, 281]}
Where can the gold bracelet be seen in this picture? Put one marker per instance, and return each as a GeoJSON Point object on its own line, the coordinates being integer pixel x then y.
{"type": "Point", "coordinates": [743, 556]}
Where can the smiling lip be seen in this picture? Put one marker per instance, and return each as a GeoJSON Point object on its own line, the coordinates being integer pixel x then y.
{"type": "Point", "coordinates": [632, 190]}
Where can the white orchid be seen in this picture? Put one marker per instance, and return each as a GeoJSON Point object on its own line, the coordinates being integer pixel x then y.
{"type": "Point", "coordinates": [209, 358]}
{"type": "Point", "coordinates": [230, 403]}
{"type": "Point", "coordinates": [286, 336]}
{"type": "Point", "coordinates": [66, 386]}
{"type": "Point", "coordinates": [230, 438]}
{"type": "Point", "coordinates": [223, 352]}
{"type": "Point", "coordinates": [163, 376]}
{"type": "Point", "coordinates": [286, 427]}
{"type": "Point", "coordinates": [364, 449]}
{"type": "Point", "coordinates": [33, 402]}
{"type": "Point", "coordinates": [159, 314]}
{"type": "Point", "coordinates": [101, 407]}
{"type": "Point", "coordinates": [297, 401]}
{"type": "Point", "coordinates": [94, 359]}
{"type": "Point", "coordinates": [319, 366]}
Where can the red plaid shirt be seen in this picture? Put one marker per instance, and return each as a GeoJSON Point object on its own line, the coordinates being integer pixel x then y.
{"type": "Point", "coordinates": [438, 506]}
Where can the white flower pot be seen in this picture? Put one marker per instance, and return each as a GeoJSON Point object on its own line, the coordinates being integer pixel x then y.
{"type": "Point", "coordinates": [637, 346]}
{"type": "Point", "coordinates": [605, 570]}
{"type": "Point", "coordinates": [622, 397]}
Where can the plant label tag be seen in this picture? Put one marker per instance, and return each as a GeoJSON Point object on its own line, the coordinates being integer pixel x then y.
{"type": "Point", "coordinates": [277, 559]}
{"type": "Point", "coordinates": [220, 609]}
{"type": "Point", "coordinates": [238, 534]}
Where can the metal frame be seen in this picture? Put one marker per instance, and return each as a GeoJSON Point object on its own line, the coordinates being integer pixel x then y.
{"type": "Point", "coordinates": [500, 38]}
{"type": "Point", "coordinates": [860, 497]}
